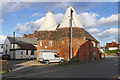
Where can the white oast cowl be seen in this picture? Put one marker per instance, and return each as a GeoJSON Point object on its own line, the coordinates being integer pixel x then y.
{"type": "Point", "coordinates": [49, 23]}
{"type": "Point", "coordinates": [66, 19]}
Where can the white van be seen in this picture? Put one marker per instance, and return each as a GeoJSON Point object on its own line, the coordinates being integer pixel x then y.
{"type": "Point", "coordinates": [48, 57]}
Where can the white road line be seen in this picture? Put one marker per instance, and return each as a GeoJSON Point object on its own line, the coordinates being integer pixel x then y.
{"type": "Point", "coordinates": [19, 68]}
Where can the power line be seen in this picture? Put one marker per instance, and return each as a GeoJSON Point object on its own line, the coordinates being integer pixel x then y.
{"type": "Point", "coordinates": [74, 22]}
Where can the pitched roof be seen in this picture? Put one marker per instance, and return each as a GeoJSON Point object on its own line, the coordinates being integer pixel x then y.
{"type": "Point", "coordinates": [113, 44]}
{"type": "Point", "coordinates": [49, 22]}
{"type": "Point", "coordinates": [66, 19]}
{"type": "Point", "coordinates": [21, 40]}
{"type": "Point", "coordinates": [64, 32]}
{"type": "Point", "coordinates": [77, 32]}
{"type": "Point", "coordinates": [27, 46]}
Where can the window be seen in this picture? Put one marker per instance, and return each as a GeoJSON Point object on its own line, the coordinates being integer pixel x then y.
{"type": "Point", "coordinates": [41, 43]}
{"type": "Point", "coordinates": [56, 55]}
{"type": "Point", "coordinates": [27, 52]}
{"type": "Point", "coordinates": [97, 45]}
{"type": "Point", "coordinates": [32, 52]}
{"type": "Point", "coordinates": [50, 43]}
{"type": "Point", "coordinates": [6, 51]}
{"type": "Point", "coordinates": [94, 44]}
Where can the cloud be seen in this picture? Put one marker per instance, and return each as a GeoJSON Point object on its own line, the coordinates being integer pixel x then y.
{"type": "Point", "coordinates": [109, 21]}
{"type": "Point", "coordinates": [109, 34]}
{"type": "Point", "coordinates": [90, 20]}
{"type": "Point", "coordinates": [37, 14]}
{"type": "Point", "coordinates": [93, 31]}
{"type": "Point", "coordinates": [35, 25]}
{"type": "Point", "coordinates": [28, 27]}
{"type": "Point", "coordinates": [12, 6]}
{"type": "Point", "coordinates": [2, 39]}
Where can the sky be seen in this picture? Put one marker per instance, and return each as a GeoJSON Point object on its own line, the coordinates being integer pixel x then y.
{"type": "Point", "coordinates": [100, 19]}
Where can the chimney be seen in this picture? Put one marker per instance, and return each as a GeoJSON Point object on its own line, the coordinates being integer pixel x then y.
{"type": "Point", "coordinates": [25, 35]}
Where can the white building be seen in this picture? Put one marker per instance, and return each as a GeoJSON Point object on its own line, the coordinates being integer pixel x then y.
{"type": "Point", "coordinates": [20, 48]}
{"type": "Point", "coordinates": [1, 48]}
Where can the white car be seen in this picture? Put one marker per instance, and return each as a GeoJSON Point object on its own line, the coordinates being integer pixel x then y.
{"type": "Point", "coordinates": [49, 57]}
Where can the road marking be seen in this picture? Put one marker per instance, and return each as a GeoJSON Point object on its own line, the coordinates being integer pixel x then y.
{"type": "Point", "coordinates": [115, 77]}
{"type": "Point", "coordinates": [19, 68]}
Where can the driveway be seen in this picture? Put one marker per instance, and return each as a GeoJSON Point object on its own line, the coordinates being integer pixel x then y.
{"type": "Point", "coordinates": [20, 64]}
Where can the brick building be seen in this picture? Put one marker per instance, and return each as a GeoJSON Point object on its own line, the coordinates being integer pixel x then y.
{"type": "Point", "coordinates": [112, 46]}
{"type": "Point", "coordinates": [50, 39]}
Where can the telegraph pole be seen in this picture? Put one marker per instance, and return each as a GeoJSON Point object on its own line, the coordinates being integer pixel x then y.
{"type": "Point", "coordinates": [13, 45]}
{"type": "Point", "coordinates": [71, 15]}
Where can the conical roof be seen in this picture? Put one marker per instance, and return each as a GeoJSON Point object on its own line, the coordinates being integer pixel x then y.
{"type": "Point", "coordinates": [49, 22]}
{"type": "Point", "coordinates": [66, 19]}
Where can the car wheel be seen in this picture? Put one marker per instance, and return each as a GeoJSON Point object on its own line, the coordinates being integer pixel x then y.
{"type": "Point", "coordinates": [47, 62]}
{"type": "Point", "coordinates": [62, 61]}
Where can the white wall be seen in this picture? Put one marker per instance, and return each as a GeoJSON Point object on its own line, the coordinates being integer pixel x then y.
{"type": "Point", "coordinates": [16, 46]}
{"type": "Point", "coordinates": [6, 46]}
{"type": "Point", "coordinates": [112, 48]}
{"type": "Point", "coordinates": [1, 49]}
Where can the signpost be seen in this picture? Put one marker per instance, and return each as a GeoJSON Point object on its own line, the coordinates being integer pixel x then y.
{"type": "Point", "coordinates": [104, 52]}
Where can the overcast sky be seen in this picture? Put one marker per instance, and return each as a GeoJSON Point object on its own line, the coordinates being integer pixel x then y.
{"type": "Point", "coordinates": [26, 17]}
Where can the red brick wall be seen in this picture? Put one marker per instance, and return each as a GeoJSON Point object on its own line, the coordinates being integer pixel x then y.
{"type": "Point", "coordinates": [46, 43]}
{"type": "Point", "coordinates": [61, 42]}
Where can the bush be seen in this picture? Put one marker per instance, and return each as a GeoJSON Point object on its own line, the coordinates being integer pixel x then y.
{"type": "Point", "coordinates": [112, 51]}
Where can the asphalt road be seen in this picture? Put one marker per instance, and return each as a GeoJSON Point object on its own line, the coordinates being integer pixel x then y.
{"type": "Point", "coordinates": [107, 68]}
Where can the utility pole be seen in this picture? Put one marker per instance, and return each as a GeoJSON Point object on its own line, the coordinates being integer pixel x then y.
{"type": "Point", "coordinates": [71, 15]}
{"type": "Point", "coordinates": [13, 45]}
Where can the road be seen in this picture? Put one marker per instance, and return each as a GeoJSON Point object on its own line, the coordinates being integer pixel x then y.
{"type": "Point", "coordinates": [107, 68]}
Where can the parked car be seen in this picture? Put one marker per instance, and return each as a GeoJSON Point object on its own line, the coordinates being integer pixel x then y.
{"type": "Point", "coordinates": [49, 57]}
{"type": "Point", "coordinates": [6, 57]}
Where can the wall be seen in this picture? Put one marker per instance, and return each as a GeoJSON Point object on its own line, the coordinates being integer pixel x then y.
{"type": "Point", "coordinates": [1, 48]}
{"type": "Point", "coordinates": [6, 46]}
{"type": "Point", "coordinates": [113, 48]}
{"type": "Point", "coordinates": [61, 38]}
{"type": "Point", "coordinates": [46, 46]}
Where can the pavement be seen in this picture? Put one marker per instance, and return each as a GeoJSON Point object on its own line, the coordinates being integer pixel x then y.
{"type": "Point", "coordinates": [104, 68]}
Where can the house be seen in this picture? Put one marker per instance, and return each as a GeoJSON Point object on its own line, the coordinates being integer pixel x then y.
{"type": "Point", "coordinates": [20, 48]}
{"type": "Point", "coordinates": [112, 46]}
{"type": "Point", "coordinates": [52, 37]}
{"type": "Point", "coordinates": [30, 35]}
